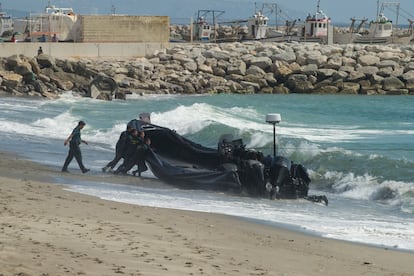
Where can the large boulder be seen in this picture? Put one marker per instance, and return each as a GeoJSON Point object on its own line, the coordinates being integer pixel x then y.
{"type": "Point", "coordinates": [408, 78]}
{"type": "Point", "coordinates": [205, 68]}
{"type": "Point", "coordinates": [10, 79]}
{"type": "Point", "coordinates": [13, 61]}
{"type": "Point", "coordinates": [35, 66]}
{"type": "Point", "coordinates": [317, 59]}
{"type": "Point", "coordinates": [392, 83]}
{"type": "Point", "coordinates": [325, 73]}
{"type": "Point", "coordinates": [368, 70]}
{"type": "Point", "coordinates": [328, 89]}
{"type": "Point", "coordinates": [281, 89]}
{"type": "Point", "coordinates": [299, 83]}
{"type": "Point", "coordinates": [237, 67]}
{"type": "Point", "coordinates": [45, 61]}
{"type": "Point", "coordinates": [261, 62]}
{"type": "Point", "coordinates": [65, 85]}
{"type": "Point", "coordinates": [350, 88]}
{"type": "Point", "coordinates": [23, 68]}
{"type": "Point", "coordinates": [281, 69]}
{"type": "Point", "coordinates": [285, 57]}
{"type": "Point", "coordinates": [255, 70]}
{"type": "Point", "coordinates": [368, 60]}
{"type": "Point", "coordinates": [217, 54]}
{"type": "Point", "coordinates": [190, 66]}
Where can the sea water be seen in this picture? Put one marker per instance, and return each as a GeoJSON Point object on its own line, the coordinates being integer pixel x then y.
{"type": "Point", "coordinates": [359, 152]}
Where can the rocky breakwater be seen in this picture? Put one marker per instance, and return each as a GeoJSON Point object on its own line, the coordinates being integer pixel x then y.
{"type": "Point", "coordinates": [43, 76]}
{"type": "Point", "coordinates": [249, 67]}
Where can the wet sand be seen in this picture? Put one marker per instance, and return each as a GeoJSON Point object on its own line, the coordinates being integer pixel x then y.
{"type": "Point", "coordinates": [46, 230]}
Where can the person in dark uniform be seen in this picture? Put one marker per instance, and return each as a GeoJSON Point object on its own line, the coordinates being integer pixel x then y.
{"type": "Point", "coordinates": [130, 152]}
{"type": "Point", "coordinates": [119, 149]}
{"type": "Point", "coordinates": [74, 141]}
{"type": "Point", "coordinates": [40, 51]}
{"type": "Point", "coordinates": [140, 156]}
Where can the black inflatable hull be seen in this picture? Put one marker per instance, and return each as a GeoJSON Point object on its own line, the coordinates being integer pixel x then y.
{"type": "Point", "coordinates": [181, 162]}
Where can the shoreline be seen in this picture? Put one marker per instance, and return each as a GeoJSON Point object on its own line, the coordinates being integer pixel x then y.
{"type": "Point", "coordinates": [48, 229]}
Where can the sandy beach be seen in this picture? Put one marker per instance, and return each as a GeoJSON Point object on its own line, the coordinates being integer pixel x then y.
{"type": "Point", "coordinates": [47, 230]}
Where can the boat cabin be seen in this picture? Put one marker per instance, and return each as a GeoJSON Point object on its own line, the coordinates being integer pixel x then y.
{"type": "Point", "coordinates": [381, 27]}
{"type": "Point", "coordinates": [316, 26]}
{"type": "Point", "coordinates": [203, 31]}
{"type": "Point", "coordinates": [257, 25]}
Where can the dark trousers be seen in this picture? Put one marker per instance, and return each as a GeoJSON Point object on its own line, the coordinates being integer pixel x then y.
{"type": "Point", "coordinates": [74, 151]}
{"type": "Point", "coordinates": [129, 162]}
{"type": "Point", "coordinates": [134, 159]}
{"type": "Point", "coordinates": [113, 163]}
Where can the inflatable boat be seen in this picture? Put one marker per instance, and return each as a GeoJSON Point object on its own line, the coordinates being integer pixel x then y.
{"type": "Point", "coordinates": [179, 161]}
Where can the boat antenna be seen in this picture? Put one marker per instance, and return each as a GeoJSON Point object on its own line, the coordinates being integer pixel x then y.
{"type": "Point", "coordinates": [273, 118]}
{"type": "Point", "coordinates": [378, 11]}
{"type": "Point", "coordinates": [318, 11]}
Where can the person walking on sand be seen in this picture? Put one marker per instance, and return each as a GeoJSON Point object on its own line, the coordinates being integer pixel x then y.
{"type": "Point", "coordinates": [74, 141]}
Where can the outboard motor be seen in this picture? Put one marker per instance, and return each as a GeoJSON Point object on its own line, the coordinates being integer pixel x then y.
{"type": "Point", "coordinates": [282, 186]}
{"type": "Point", "coordinates": [233, 154]}
{"type": "Point", "coordinates": [288, 180]}
{"type": "Point", "coordinates": [225, 148]}
{"type": "Point", "coordinates": [301, 179]}
{"type": "Point", "coordinates": [253, 173]}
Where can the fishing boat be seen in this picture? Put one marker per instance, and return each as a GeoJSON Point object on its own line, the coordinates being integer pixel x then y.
{"type": "Point", "coordinates": [316, 26]}
{"type": "Point", "coordinates": [314, 29]}
{"type": "Point", "coordinates": [257, 26]}
{"type": "Point", "coordinates": [380, 31]}
{"type": "Point", "coordinates": [54, 23]}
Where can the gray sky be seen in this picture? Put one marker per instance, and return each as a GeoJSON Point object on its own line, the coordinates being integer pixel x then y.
{"type": "Point", "coordinates": [339, 10]}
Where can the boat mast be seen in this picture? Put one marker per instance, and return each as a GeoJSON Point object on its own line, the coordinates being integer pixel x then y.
{"type": "Point", "coordinates": [318, 9]}
{"type": "Point", "coordinates": [378, 11]}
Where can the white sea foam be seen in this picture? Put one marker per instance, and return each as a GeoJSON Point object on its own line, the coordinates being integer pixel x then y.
{"type": "Point", "coordinates": [190, 119]}
{"type": "Point", "coordinates": [368, 187]}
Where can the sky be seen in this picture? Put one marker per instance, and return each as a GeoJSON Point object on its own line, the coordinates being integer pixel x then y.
{"type": "Point", "coordinates": [340, 11]}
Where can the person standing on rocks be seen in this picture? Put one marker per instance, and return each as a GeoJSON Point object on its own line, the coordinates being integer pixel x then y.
{"type": "Point", "coordinates": [74, 141]}
{"type": "Point", "coordinates": [40, 51]}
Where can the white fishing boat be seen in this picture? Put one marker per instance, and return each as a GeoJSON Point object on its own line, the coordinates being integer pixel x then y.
{"type": "Point", "coordinates": [6, 23]}
{"type": "Point", "coordinates": [257, 26]}
{"type": "Point", "coordinates": [54, 23]}
{"type": "Point", "coordinates": [205, 27]}
{"type": "Point", "coordinates": [380, 31]}
{"type": "Point", "coordinates": [316, 26]}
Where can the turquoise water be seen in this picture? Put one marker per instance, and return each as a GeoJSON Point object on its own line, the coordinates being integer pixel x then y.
{"type": "Point", "coordinates": [359, 151]}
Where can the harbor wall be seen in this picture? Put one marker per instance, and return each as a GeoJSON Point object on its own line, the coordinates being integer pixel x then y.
{"type": "Point", "coordinates": [110, 28]}
{"type": "Point", "coordinates": [93, 50]}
